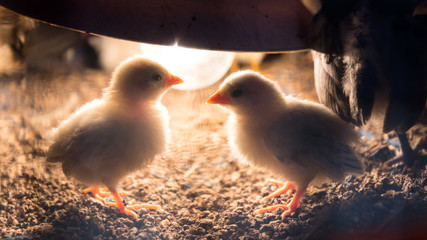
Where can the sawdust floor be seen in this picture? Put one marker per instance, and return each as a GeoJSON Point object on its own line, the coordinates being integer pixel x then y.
{"type": "Point", "coordinates": [204, 191]}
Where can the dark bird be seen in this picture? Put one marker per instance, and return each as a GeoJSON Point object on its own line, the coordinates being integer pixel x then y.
{"type": "Point", "coordinates": [370, 61]}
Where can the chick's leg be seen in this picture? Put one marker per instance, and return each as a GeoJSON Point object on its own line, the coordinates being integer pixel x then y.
{"type": "Point", "coordinates": [128, 210]}
{"type": "Point", "coordinates": [293, 205]}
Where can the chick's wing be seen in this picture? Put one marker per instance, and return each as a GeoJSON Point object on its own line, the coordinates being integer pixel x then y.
{"type": "Point", "coordinates": [92, 145]}
{"type": "Point", "coordinates": [313, 144]}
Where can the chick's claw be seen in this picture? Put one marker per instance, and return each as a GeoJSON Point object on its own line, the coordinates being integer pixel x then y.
{"type": "Point", "coordinates": [119, 204]}
{"type": "Point", "coordinates": [294, 203]}
{"type": "Point", "coordinates": [124, 209]}
{"type": "Point", "coordinates": [138, 206]}
{"type": "Point", "coordinates": [284, 187]}
{"type": "Point", "coordinates": [98, 193]}
{"type": "Point", "coordinates": [289, 208]}
{"type": "Point", "coordinates": [129, 209]}
{"type": "Point", "coordinates": [103, 192]}
{"type": "Point", "coordinates": [147, 206]}
{"type": "Point", "coordinates": [271, 208]}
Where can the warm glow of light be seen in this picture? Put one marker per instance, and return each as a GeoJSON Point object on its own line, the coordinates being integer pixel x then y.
{"type": "Point", "coordinates": [198, 68]}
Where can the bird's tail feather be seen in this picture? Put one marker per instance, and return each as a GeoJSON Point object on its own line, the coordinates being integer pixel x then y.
{"type": "Point", "coordinates": [352, 165]}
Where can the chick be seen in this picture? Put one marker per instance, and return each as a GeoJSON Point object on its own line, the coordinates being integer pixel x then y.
{"type": "Point", "coordinates": [296, 139]}
{"type": "Point", "coordinates": [109, 138]}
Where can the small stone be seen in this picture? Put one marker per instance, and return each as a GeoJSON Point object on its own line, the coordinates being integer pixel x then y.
{"type": "Point", "coordinates": [134, 230]}
{"type": "Point", "coordinates": [235, 176]}
{"type": "Point", "coordinates": [165, 223]}
{"type": "Point", "coordinates": [15, 222]}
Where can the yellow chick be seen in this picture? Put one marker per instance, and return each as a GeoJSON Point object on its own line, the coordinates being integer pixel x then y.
{"type": "Point", "coordinates": [296, 139]}
{"type": "Point", "coordinates": [109, 138]}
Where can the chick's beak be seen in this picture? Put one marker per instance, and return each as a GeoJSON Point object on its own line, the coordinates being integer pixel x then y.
{"type": "Point", "coordinates": [218, 98]}
{"type": "Point", "coordinates": [173, 80]}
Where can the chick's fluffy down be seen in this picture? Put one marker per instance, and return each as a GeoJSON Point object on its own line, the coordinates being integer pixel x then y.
{"type": "Point", "coordinates": [98, 145]}
{"type": "Point", "coordinates": [294, 138]}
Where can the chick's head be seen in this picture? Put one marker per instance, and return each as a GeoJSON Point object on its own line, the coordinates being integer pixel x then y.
{"type": "Point", "coordinates": [140, 79]}
{"type": "Point", "coordinates": [248, 93]}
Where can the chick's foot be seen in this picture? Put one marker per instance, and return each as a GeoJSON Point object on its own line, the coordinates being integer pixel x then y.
{"type": "Point", "coordinates": [129, 209]}
{"type": "Point", "coordinates": [102, 193]}
{"type": "Point", "coordinates": [289, 208]}
{"type": "Point", "coordinates": [283, 187]}
{"type": "Point", "coordinates": [98, 193]}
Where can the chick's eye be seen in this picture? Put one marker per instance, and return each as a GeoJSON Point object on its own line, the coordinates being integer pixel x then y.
{"type": "Point", "coordinates": [236, 93]}
{"type": "Point", "coordinates": [157, 77]}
